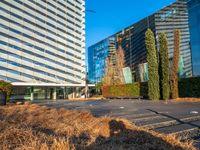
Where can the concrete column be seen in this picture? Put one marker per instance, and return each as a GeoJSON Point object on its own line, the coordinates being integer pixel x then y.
{"type": "Point", "coordinates": [86, 90]}
{"type": "Point", "coordinates": [46, 92]}
{"type": "Point", "coordinates": [64, 92]}
{"type": "Point", "coordinates": [54, 94]}
{"type": "Point", "coordinates": [74, 93]}
{"type": "Point", "coordinates": [32, 94]}
{"type": "Point", "coordinates": [77, 93]}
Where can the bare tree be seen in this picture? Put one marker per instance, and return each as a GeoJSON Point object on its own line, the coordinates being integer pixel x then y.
{"type": "Point", "coordinates": [114, 71]}
{"type": "Point", "coordinates": [109, 73]}
{"type": "Point", "coordinates": [120, 64]}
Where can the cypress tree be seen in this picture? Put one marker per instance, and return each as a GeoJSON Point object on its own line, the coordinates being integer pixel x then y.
{"type": "Point", "coordinates": [153, 83]}
{"type": "Point", "coordinates": [164, 63]}
{"type": "Point", "coordinates": [176, 57]}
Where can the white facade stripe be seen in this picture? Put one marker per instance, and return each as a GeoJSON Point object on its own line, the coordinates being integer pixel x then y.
{"type": "Point", "coordinates": [42, 41]}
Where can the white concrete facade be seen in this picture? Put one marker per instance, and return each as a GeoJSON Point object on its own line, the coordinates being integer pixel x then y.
{"type": "Point", "coordinates": [42, 41]}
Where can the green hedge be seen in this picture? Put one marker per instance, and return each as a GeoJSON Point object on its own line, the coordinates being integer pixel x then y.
{"type": "Point", "coordinates": [136, 89]}
{"type": "Point", "coordinates": [189, 87]}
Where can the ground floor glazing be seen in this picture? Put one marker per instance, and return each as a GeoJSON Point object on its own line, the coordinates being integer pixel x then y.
{"type": "Point", "coordinates": [46, 93]}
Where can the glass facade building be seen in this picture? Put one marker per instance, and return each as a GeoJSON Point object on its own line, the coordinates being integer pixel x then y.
{"type": "Point", "coordinates": [132, 38]}
{"type": "Point", "coordinates": [194, 23]}
{"type": "Point", "coordinates": [97, 55]}
{"type": "Point", "coordinates": [42, 41]}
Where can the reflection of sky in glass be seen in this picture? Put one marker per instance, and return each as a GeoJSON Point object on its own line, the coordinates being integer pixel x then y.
{"type": "Point", "coordinates": [101, 55]}
{"type": "Point", "coordinates": [194, 16]}
{"type": "Point", "coordinates": [97, 55]}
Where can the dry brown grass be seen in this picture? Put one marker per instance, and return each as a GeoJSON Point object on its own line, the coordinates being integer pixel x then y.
{"type": "Point", "coordinates": [86, 99]}
{"type": "Point", "coordinates": [33, 127]}
{"type": "Point", "coordinates": [188, 100]}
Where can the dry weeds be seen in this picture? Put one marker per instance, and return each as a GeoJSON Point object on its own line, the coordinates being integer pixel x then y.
{"type": "Point", "coordinates": [86, 99]}
{"type": "Point", "coordinates": [193, 100]}
{"type": "Point", "coordinates": [33, 127]}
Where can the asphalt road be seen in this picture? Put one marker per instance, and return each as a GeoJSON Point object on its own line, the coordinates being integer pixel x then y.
{"type": "Point", "coordinates": [169, 117]}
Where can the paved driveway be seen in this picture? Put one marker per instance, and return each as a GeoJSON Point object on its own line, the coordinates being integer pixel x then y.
{"type": "Point", "coordinates": [166, 117]}
{"type": "Point", "coordinates": [127, 108]}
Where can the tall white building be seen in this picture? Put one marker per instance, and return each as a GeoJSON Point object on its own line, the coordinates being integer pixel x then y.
{"type": "Point", "coordinates": [42, 43]}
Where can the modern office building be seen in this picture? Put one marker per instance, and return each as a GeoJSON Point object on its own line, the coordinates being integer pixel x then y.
{"type": "Point", "coordinates": [132, 38]}
{"type": "Point", "coordinates": [42, 46]}
{"type": "Point", "coordinates": [97, 55]}
{"type": "Point", "coordinates": [194, 23]}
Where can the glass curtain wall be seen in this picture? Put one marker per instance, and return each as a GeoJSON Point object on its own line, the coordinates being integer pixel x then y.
{"type": "Point", "coordinates": [194, 22]}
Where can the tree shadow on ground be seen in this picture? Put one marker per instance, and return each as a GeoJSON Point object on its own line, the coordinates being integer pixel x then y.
{"type": "Point", "coordinates": [123, 138]}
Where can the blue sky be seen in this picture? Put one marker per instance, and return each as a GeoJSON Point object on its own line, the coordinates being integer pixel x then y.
{"type": "Point", "coordinates": [113, 15]}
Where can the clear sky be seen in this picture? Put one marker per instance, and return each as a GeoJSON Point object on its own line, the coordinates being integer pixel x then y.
{"type": "Point", "coordinates": [113, 15]}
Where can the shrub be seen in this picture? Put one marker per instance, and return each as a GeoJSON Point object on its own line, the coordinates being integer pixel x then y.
{"type": "Point", "coordinates": [135, 89]}
{"type": "Point", "coordinates": [5, 87]}
{"type": "Point", "coordinates": [164, 63]}
{"type": "Point", "coordinates": [176, 57]}
{"type": "Point", "coordinates": [153, 83]}
{"type": "Point", "coordinates": [189, 87]}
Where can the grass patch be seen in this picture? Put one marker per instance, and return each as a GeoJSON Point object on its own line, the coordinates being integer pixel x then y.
{"type": "Point", "coordinates": [35, 127]}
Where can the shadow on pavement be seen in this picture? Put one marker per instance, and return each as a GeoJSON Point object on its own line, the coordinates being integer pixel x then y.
{"type": "Point", "coordinates": [174, 118]}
